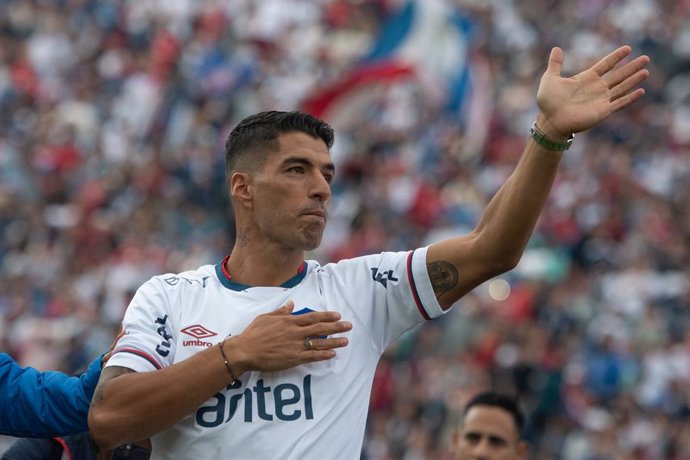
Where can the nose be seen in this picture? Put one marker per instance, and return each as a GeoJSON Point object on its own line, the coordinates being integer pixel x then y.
{"type": "Point", "coordinates": [481, 450]}
{"type": "Point", "coordinates": [320, 188]}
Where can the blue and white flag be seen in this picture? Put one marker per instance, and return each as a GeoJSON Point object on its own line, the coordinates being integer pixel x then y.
{"type": "Point", "coordinates": [426, 41]}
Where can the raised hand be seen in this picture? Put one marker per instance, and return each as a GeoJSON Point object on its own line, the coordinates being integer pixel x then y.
{"type": "Point", "coordinates": [574, 104]}
{"type": "Point", "coordinates": [279, 340]}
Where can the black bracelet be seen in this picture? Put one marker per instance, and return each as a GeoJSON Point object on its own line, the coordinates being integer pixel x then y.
{"type": "Point", "coordinates": [225, 361]}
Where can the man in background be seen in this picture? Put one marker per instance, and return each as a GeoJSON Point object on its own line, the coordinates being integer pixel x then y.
{"type": "Point", "coordinates": [490, 429]}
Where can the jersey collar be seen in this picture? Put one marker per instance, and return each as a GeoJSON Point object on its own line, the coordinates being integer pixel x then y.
{"type": "Point", "coordinates": [226, 279]}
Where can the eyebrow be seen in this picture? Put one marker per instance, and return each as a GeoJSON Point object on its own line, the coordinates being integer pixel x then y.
{"type": "Point", "coordinates": [491, 437]}
{"type": "Point", "coordinates": [330, 167]}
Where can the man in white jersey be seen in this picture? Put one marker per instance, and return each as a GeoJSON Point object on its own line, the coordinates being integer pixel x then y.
{"type": "Point", "coordinates": [275, 389]}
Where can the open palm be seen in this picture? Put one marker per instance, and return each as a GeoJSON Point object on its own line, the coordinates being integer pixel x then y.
{"type": "Point", "coordinates": [574, 104]}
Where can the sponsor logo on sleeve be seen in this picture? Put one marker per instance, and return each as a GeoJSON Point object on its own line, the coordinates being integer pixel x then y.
{"type": "Point", "coordinates": [163, 348]}
{"type": "Point", "coordinates": [383, 277]}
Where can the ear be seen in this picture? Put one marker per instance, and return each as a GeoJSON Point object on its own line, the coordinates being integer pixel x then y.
{"type": "Point", "coordinates": [454, 438]}
{"type": "Point", "coordinates": [241, 188]}
{"type": "Point", "coordinates": [522, 448]}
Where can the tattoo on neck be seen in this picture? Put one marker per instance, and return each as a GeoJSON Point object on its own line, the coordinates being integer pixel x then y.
{"type": "Point", "coordinates": [243, 239]}
{"type": "Point", "coordinates": [443, 276]}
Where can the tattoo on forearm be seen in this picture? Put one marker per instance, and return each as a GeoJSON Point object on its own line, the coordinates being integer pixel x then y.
{"type": "Point", "coordinates": [106, 375]}
{"type": "Point", "coordinates": [443, 275]}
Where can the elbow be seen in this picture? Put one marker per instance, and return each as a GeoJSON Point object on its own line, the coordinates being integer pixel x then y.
{"type": "Point", "coordinates": [496, 256]}
{"type": "Point", "coordinates": [101, 428]}
{"type": "Point", "coordinates": [502, 264]}
{"type": "Point", "coordinates": [511, 262]}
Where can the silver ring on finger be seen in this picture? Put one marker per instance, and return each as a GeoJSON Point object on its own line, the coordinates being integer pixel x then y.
{"type": "Point", "coordinates": [308, 345]}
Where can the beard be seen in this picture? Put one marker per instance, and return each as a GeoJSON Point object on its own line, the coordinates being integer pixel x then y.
{"type": "Point", "coordinates": [311, 237]}
{"type": "Point", "coordinates": [304, 237]}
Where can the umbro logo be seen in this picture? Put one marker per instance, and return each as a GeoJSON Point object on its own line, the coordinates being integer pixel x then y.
{"type": "Point", "coordinates": [198, 331]}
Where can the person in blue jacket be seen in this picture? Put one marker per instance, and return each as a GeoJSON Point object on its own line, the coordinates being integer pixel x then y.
{"type": "Point", "coordinates": [45, 404]}
{"type": "Point", "coordinates": [48, 410]}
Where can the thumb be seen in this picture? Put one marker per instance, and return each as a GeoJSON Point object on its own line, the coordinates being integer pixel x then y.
{"type": "Point", "coordinates": [555, 62]}
{"type": "Point", "coordinates": [287, 308]}
{"type": "Point", "coordinates": [120, 334]}
{"type": "Point", "coordinates": [109, 353]}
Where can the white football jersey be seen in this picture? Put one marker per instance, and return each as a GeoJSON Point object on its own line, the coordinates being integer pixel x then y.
{"type": "Point", "coordinates": [313, 411]}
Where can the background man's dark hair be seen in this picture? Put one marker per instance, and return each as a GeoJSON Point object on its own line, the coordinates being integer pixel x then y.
{"type": "Point", "coordinates": [259, 133]}
{"type": "Point", "coordinates": [502, 401]}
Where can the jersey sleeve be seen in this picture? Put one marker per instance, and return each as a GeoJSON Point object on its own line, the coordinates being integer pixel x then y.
{"type": "Point", "coordinates": [389, 293]}
{"type": "Point", "coordinates": [148, 342]}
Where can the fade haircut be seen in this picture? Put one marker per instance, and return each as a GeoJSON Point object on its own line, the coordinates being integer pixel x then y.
{"type": "Point", "coordinates": [257, 135]}
{"type": "Point", "coordinates": [501, 401]}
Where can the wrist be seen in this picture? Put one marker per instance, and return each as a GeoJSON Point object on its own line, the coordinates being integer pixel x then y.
{"type": "Point", "coordinates": [237, 359]}
{"type": "Point", "coordinates": [546, 128]}
{"type": "Point", "coordinates": [552, 142]}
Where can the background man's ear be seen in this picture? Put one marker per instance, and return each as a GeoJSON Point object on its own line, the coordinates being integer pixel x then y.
{"type": "Point", "coordinates": [454, 438]}
{"type": "Point", "coordinates": [522, 448]}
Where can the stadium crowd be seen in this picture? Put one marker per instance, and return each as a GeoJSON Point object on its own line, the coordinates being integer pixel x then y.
{"type": "Point", "coordinates": [112, 122]}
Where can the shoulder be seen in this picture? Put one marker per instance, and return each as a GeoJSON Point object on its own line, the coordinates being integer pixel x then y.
{"type": "Point", "coordinates": [163, 292]}
{"type": "Point", "coordinates": [7, 365]}
{"type": "Point", "coordinates": [388, 265]}
{"type": "Point", "coordinates": [199, 278]}
{"type": "Point", "coordinates": [6, 359]}
{"type": "Point", "coordinates": [367, 261]}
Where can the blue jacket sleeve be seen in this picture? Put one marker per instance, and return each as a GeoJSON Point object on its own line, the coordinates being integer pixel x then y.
{"type": "Point", "coordinates": [44, 404]}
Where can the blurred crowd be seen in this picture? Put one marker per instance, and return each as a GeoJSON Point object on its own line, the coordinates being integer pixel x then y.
{"type": "Point", "coordinates": [112, 122]}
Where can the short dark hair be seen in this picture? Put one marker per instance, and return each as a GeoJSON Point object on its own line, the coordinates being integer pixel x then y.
{"type": "Point", "coordinates": [502, 401]}
{"type": "Point", "coordinates": [258, 134]}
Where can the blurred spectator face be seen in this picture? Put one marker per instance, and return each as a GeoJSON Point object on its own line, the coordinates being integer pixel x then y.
{"type": "Point", "coordinates": [488, 433]}
{"type": "Point", "coordinates": [291, 191]}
